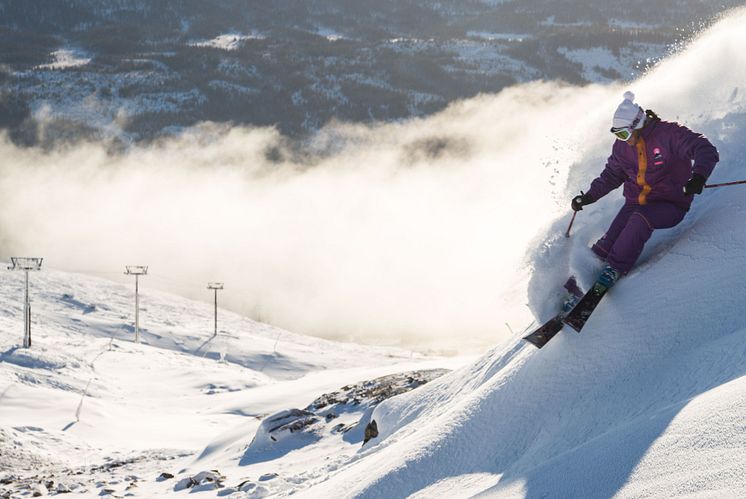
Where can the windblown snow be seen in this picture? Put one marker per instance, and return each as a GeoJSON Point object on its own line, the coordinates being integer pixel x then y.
{"type": "Point", "coordinates": [648, 401]}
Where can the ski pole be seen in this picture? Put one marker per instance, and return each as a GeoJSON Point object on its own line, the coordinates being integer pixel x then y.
{"type": "Point", "coordinates": [708, 186]}
{"type": "Point", "coordinates": [572, 220]}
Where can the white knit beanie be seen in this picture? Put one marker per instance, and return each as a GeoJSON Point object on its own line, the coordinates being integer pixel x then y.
{"type": "Point", "coordinates": [629, 114]}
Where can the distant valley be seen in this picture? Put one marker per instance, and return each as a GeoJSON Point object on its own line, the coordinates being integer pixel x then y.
{"type": "Point", "coordinates": [135, 70]}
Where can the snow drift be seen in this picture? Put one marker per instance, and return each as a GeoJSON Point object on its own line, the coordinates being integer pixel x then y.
{"type": "Point", "coordinates": [649, 399]}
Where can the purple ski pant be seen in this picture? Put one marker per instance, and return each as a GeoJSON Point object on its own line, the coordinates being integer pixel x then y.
{"type": "Point", "coordinates": [622, 244]}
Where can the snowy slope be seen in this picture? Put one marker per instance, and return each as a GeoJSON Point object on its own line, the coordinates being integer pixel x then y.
{"type": "Point", "coordinates": [88, 408]}
{"type": "Point", "coordinates": [75, 305]}
{"type": "Point", "coordinates": [649, 400]}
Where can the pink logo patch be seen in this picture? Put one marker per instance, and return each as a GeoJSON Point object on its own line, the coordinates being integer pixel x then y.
{"type": "Point", "coordinates": [657, 156]}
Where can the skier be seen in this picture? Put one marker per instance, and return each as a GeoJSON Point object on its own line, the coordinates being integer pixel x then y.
{"type": "Point", "coordinates": [662, 166]}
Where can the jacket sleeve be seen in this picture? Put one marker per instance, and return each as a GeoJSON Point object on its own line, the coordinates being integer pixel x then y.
{"type": "Point", "coordinates": [611, 178]}
{"type": "Point", "coordinates": [696, 147]}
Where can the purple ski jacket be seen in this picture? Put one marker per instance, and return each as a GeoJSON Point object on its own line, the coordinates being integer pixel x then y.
{"type": "Point", "coordinates": [658, 166]}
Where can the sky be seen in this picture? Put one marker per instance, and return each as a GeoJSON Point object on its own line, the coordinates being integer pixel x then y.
{"type": "Point", "coordinates": [416, 233]}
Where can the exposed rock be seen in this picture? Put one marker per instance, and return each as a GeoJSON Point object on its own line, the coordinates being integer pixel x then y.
{"type": "Point", "coordinates": [373, 392]}
{"type": "Point", "coordinates": [207, 480]}
{"type": "Point", "coordinates": [185, 483]}
{"type": "Point", "coordinates": [340, 428]}
{"type": "Point", "coordinates": [106, 479]}
{"type": "Point", "coordinates": [292, 420]}
{"type": "Point", "coordinates": [355, 402]}
{"type": "Point", "coordinates": [371, 431]}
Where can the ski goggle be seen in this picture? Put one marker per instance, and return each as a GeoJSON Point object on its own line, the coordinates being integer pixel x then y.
{"type": "Point", "coordinates": [625, 132]}
{"type": "Point", "coordinates": [622, 133]}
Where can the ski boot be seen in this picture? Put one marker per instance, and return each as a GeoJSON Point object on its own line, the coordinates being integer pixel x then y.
{"type": "Point", "coordinates": [609, 276]}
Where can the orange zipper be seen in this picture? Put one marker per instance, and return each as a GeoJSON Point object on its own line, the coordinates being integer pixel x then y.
{"type": "Point", "coordinates": [642, 168]}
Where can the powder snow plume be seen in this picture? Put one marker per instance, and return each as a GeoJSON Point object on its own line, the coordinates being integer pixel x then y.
{"type": "Point", "coordinates": [412, 233]}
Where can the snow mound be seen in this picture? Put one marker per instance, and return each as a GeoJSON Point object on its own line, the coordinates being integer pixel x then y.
{"type": "Point", "coordinates": [36, 359]}
{"type": "Point", "coordinates": [342, 417]}
{"type": "Point", "coordinates": [276, 430]}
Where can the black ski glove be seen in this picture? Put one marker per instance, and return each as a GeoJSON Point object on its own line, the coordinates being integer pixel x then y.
{"type": "Point", "coordinates": [579, 201]}
{"type": "Point", "coordinates": [695, 185]}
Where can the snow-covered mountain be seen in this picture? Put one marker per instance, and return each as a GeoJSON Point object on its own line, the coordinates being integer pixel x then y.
{"type": "Point", "coordinates": [648, 401]}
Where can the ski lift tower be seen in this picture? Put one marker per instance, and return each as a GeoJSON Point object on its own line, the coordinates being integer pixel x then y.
{"type": "Point", "coordinates": [27, 264]}
{"type": "Point", "coordinates": [137, 271]}
{"type": "Point", "coordinates": [215, 286]}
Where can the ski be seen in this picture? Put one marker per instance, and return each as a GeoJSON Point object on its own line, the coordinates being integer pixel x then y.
{"type": "Point", "coordinates": [549, 329]}
{"type": "Point", "coordinates": [578, 316]}
{"type": "Point", "coordinates": [546, 331]}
